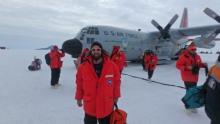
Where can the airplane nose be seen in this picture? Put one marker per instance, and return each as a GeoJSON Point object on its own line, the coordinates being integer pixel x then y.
{"type": "Point", "coordinates": [72, 47]}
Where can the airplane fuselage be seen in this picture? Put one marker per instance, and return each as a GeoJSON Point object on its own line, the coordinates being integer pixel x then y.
{"type": "Point", "coordinates": [165, 42]}
{"type": "Point", "coordinates": [134, 43]}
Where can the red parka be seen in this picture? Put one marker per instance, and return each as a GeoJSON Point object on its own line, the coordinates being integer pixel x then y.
{"type": "Point", "coordinates": [150, 61]}
{"type": "Point", "coordinates": [82, 57]}
{"type": "Point", "coordinates": [119, 58]}
{"type": "Point", "coordinates": [185, 60]}
{"type": "Point", "coordinates": [124, 59]}
{"type": "Point", "coordinates": [98, 93]}
{"type": "Point", "coordinates": [55, 58]}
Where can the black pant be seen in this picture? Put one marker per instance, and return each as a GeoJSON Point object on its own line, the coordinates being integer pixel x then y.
{"type": "Point", "coordinates": [150, 73]}
{"type": "Point", "coordinates": [55, 75]}
{"type": "Point", "coordinates": [189, 84]}
{"type": "Point", "coordinates": [143, 64]}
{"type": "Point", "coordinates": [93, 120]}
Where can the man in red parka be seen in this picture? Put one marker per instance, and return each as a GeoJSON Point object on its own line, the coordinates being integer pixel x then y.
{"type": "Point", "coordinates": [55, 65]}
{"type": "Point", "coordinates": [119, 58]}
{"type": "Point", "coordinates": [189, 63]}
{"type": "Point", "coordinates": [97, 86]}
{"type": "Point", "coordinates": [150, 62]}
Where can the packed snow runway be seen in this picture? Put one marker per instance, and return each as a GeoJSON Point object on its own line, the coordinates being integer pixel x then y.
{"type": "Point", "coordinates": [26, 97]}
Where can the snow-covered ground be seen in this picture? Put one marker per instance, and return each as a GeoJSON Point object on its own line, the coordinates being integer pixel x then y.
{"type": "Point", "coordinates": [26, 97]}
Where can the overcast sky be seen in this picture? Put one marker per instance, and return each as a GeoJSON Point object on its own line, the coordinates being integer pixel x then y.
{"type": "Point", "coordinates": [40, 23]}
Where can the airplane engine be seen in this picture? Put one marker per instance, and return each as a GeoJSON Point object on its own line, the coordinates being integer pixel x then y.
{"type": "Point", "coordinates": [72, 47]}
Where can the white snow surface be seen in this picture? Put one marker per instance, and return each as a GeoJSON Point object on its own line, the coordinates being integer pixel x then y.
{"type": "Point", "coordinates": [27, 98]}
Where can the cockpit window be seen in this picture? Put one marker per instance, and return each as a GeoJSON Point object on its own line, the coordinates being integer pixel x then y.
{"type": "Point", "coordinates": [84, 30]}
{"type": "Point", "coordinates": [96, 31]}
{"type": "Point", "coordinates": [93, 30]}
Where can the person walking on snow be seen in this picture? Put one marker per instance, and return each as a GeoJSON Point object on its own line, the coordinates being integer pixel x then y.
{"type": "Point", "coordinates": [55, 65]}
{"type": "Point", "coordinates": [189, 64]}
{"type": "Point", "coordinates": [119, 58]}
{"type": "Point", "coordinates": [97, 86]}
{"type": "Point", "coordinates": [150, 63]}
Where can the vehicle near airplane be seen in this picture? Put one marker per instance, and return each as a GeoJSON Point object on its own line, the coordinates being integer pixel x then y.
{"type": "Point", "coordinates": [165, 42]}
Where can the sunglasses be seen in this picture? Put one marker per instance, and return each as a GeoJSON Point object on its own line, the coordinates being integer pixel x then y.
{"type": "Point", "coordinates": [96, 50]}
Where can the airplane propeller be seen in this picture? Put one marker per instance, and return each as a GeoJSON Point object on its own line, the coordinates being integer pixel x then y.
{"type": "Point", "coordinates": [212, 14]}
{"type": "Point", "coordinates": [165, 31]}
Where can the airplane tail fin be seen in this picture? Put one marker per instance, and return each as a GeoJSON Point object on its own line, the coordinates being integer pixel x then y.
{"type": "Point", "coordinates": [184, 20]}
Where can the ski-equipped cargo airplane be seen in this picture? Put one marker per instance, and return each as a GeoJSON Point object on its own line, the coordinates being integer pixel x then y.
{"type": "Point", "coordinates": [165, 43]}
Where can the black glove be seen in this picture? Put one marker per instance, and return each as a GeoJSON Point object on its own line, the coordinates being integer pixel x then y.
{"type": "Point", "coordinates": [195, 69]}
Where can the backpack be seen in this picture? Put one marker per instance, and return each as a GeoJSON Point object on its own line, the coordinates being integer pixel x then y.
{"type": "Point", "coordinates": [47, 59]}
{"type": "Point", "coordinates": [118, 116]}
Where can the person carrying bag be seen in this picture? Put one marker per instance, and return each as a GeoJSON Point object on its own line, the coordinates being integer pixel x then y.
{"type": "Point", "coordinates": [118, 116]}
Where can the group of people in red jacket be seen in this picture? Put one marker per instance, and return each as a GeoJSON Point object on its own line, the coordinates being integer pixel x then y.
{"type": "Point", "coordinates": [98, 80]}
{"type": "Point", "coordinates": [98, 76]}
{"type": "Point", "coordinates": [117, 56]}
{"type": "Point", "coordinates": [189, 64]}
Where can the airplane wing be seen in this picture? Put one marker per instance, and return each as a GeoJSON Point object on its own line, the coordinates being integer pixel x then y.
{"type": "Point", "coordinates": [175, 34]}
{"type": "Point", "coordinates": [207, 34]}
{"type": "Point", "coordinates": [204, 29]}
{"type": "Point", "coordinates": [179, 33]}
{"type": "Point", "coordinates": [184, 32]}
